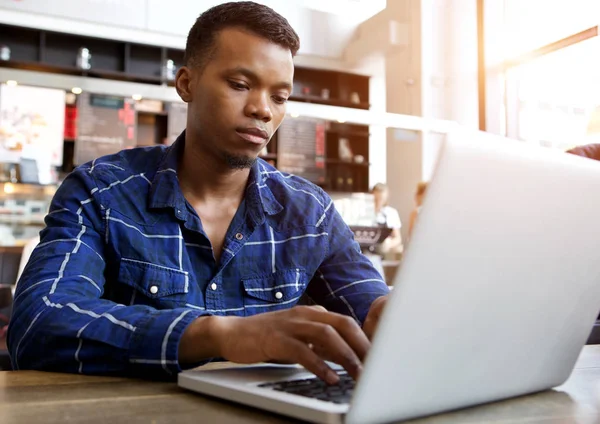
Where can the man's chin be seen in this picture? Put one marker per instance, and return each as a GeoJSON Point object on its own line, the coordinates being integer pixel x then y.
{"type": "Point", "coordinates": [239, 161]}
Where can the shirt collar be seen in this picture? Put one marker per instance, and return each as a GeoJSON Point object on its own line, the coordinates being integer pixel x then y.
{"type": "Point", "coordinates": [259, 197]}
{"type": "Point", "coordinates": [165, 191]}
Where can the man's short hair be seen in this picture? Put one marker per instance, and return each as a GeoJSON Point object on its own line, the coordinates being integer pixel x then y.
{"type": "Point", "coordinates": [246, 15]}
{"type": "Point", "coordinates": [379, 187]}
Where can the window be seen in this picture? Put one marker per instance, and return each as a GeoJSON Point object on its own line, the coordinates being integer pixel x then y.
{"type": "Point", "coordinates": [543, 60]}
{"type": "Point", "coordinates": [531, 24]}
{"type": "Point", "coordinates": [554, 95]}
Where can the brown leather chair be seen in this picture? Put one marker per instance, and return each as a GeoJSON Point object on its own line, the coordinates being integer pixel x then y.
{"type": "Point", "coordinates": [591, 151]}
{"type": "Point", "coordinates": [5, 311]}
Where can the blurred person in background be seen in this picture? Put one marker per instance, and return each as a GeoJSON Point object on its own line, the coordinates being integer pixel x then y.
{"type": "Point", "coordinates": [387, 216]}
{"type": "Point", "coordinates": [419, 196]}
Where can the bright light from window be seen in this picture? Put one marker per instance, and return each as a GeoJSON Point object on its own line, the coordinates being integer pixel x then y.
{"type": "Point", "coordinates": [557, 94]}
{"type": "Point", "coordinates": [9, 188]}
{"type": "Point", "coordinates": [530, 24]}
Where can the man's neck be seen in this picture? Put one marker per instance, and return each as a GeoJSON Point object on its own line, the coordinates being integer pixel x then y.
{"type": "Point", "coordinates": [204, 178]}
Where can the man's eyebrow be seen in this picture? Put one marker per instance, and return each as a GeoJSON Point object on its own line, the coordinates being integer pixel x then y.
{"type": "Point", "coordinates": [248, 73]}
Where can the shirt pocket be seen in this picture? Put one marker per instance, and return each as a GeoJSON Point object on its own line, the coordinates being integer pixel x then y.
{"type": "Point", "coordinates": [273, 291]}
{"type": "Point", "coordinates": [155, 282]}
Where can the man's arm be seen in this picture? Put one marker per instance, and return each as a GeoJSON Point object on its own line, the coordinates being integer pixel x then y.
{"type": "Point", "coordinates": [304, 334]}
{"type": "Point", "coordinates": [346, 282]}
{"type": "Point", "coordinates": [60, 322]}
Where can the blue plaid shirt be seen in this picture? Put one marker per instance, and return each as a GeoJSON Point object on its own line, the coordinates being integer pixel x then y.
{"type": "Point", "coordinates": [124, 266]}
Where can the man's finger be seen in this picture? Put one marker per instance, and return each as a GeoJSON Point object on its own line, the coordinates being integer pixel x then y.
{"type": "Point", "coordinates": [346, 327]}
{"type": "Point", "coordinates": [373, 316]}
{"type": "Point", "coordinates": [330, 345]}
{"type": "Point", "coordinates": [297, 351]}
{"type": "Point", "coordinates": [319, 308]}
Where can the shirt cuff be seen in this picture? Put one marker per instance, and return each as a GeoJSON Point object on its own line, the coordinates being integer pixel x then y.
{"type": "Point", "coordinates": [154, 348]}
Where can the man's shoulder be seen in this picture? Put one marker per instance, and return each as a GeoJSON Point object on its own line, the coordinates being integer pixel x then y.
{"type": "Point", "coordinates": [300, 198]}
{"type": "Point", "coordinates": [118, 180]}
{"type": "Point", "coordinates": [139, 162]}
{"type": "Point", "coordinates": [291, 185]}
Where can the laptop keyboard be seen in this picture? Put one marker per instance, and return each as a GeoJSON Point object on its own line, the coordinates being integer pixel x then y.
{"type": "Point", "coordinates": [317, 388]}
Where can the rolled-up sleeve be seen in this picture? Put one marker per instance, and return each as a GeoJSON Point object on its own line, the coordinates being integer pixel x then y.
{"type": "Point", "coordinates": [346, 282]}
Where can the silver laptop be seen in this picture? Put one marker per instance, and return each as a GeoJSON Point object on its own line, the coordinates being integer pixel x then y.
{"type": "Point", "coordinates": [496, 296]}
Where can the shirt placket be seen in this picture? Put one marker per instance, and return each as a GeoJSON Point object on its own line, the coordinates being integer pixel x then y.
{"type": "Point", "coordinates": [214, 294]}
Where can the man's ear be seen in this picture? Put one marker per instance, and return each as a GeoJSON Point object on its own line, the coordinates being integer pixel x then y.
{"type": "Point", "coordinates": [183, 84]}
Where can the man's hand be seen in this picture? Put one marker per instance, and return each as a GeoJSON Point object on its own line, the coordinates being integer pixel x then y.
{"type": "Point", "coordinates": [308, 335]}
{"type": "Point", "coordinates": [373, 316]}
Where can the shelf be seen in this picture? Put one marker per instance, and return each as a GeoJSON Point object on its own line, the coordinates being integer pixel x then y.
{"type": "Point", "coordinates": [330, 102]}
{"type": "Point", "coordinates": [15, 249]}
{"type": "Point", "coordinates": [349, 133]}
{"type": "Point", "coordinates": [149, 112]}
{"type": "Point", "coordinates": [345, 163]}
{"type": "Point", "coordinates": [22, 223]}
{"type": "Point", "coordinates": [56, 52]}
{"type": "Point", "coordinates": [143, 60]}
{"type": "Point", "coordinates": [24, 42]}
{"type": "Point", "coordinates": [72, 70]}
{"type": "Point", "coordinates": [24, 187]}
{"type": "Point", "coordinates": [38, 66]}
{"type": "Point", "coordinates": [122, 76]}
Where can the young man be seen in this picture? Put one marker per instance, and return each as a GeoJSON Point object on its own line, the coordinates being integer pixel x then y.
{"type": "Point", "coordinates": [161, 258]}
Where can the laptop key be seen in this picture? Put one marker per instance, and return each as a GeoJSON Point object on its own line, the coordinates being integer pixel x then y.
{"type": "Point", "coordinates": [316, 388]}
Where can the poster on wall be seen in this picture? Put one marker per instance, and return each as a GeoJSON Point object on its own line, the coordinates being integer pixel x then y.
{"type": "Point", "coordinates": [301, 148]}
{"type": "Point", "coordinates": [106, 125]}
{"type": "Point", "coordinates": [32, 124]}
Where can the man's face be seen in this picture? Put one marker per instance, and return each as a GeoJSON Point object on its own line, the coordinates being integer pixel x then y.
{"type": "Point", "coordinates": [380, 197]}
{"type": "Point", "coordinates": [237, 101]}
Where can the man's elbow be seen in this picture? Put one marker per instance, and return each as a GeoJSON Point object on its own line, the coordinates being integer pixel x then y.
{"type": "Point", "coordinates": [24, 340]}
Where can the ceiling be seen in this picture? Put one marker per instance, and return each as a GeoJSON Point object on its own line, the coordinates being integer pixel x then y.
{"type": "Point", "coordinates": [324, 26]}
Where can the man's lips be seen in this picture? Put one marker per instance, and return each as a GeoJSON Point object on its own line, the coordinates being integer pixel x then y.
{"type": "Point", "coordinates": [253, 135]}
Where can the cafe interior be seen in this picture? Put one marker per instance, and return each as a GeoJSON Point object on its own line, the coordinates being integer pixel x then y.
{"type": "Point", "coordinates": [378, 86]}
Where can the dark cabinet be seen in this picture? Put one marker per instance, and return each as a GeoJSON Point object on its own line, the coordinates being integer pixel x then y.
{"type": "Point", "coordinates": [346, 145]}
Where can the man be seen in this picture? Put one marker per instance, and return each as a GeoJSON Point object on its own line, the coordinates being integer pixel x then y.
{"type": "Point", "coordinates": [387, 216]}
{"type": "Point", "coordinates": [158, 259]}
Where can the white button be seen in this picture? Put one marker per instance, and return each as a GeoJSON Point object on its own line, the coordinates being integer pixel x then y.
{"type": "Point", "coordinates": [153, 289]}
{"type": "Point", "coordinates": [239, 236]}
{"type": "Point", "coordinates": [213, 286]}
{"type": "Point", "coordinates": [278, 295]}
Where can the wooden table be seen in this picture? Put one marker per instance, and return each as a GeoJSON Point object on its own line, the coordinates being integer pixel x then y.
{"type": "Point", "coordinates": [4, 358]}
{"type": "Point", "coordinates": [35, 397]}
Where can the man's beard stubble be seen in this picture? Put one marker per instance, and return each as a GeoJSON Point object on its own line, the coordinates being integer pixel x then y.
{"type": "Point", "coordinates": [239, 161]}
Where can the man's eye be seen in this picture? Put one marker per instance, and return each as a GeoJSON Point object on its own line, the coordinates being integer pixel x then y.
{"type": "Point", "coordinates": [238, 86]}
{"type": "Point", "coordinates": [279, 99]}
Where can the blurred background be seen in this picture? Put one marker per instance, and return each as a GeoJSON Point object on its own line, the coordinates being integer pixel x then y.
{"type": "Point", "coordinates": [378, 84]}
